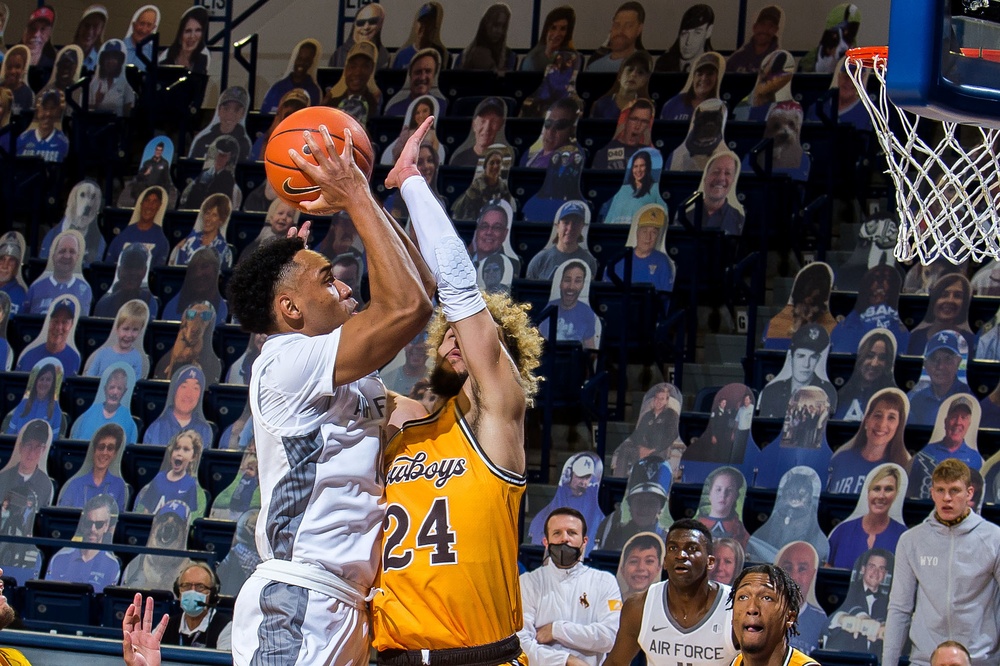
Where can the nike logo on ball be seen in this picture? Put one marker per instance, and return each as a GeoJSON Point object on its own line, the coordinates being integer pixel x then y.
{"type": "Point", "coordinates": [287, 188]}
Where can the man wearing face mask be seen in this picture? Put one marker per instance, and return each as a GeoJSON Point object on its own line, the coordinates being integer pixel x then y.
{"type": "Point", "coordinates": [570, 610]}
{"type": "Point", "coordinates": [199, 624]}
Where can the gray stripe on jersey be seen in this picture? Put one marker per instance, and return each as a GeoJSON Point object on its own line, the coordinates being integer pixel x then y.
{"type": "Point", "coordinates": [279, 636]}
{"type": "Point", "coordinates": [292, 492]}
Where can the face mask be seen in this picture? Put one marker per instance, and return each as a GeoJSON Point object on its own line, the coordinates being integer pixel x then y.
{"type": "Point", "coordinates": [564, 555]}
{"type": "Point", "coordinates": [193, 603]}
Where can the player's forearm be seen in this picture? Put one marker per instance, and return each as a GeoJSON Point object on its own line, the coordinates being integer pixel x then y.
{"type": "Point", "coordinates": [426, 277]}
{"type": "Point", "coordinates": [593, 637]}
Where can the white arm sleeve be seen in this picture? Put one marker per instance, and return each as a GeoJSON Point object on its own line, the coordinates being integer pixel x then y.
{"type": "Point", "coordinates": [443, 251]}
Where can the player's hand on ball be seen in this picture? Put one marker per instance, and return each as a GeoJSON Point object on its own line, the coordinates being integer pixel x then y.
{"type": "Point", "coordinates": [406, 164]}
{"type": "Point", "coordinates": [339, 178]}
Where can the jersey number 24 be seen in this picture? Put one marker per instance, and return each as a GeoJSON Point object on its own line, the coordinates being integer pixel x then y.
{"type": "Point", "coordinates": [434, 533]}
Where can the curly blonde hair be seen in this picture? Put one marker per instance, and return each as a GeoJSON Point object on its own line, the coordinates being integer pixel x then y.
{"type": "Point", "coordinates": [519, 336]}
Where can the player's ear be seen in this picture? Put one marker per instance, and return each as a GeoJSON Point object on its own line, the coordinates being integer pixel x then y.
{"type": "Point", "coordinates": [288, 309]}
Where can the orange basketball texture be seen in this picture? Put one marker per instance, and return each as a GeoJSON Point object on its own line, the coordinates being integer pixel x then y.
{"type": "Point", "coordinates": [287, 180]}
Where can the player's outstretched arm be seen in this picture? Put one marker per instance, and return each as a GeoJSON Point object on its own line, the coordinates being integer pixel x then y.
{"type": "Point", "coordinates": [627, 641]}
{"type": "Point", "coordinates": [399, 307]}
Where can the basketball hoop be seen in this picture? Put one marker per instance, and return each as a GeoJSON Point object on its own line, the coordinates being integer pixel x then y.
{"type": "Point", "coordinates": [947, 194]}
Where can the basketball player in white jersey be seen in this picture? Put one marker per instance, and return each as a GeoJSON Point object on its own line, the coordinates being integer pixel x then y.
{"type": "Point", "coordinates": [683, 620]}
{"type": "Point", "coordinates": [318, 408]}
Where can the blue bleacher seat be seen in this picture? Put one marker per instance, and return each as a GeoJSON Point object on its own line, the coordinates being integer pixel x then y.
{"type": "Point", "coordinates": [531, 555]}
{"type": "Point", "coordinates": [132, 529]}
{"type": "Point", "coordinates": [224, 403]}
{"type": "Point", "coordinates": [66, 458]}
{"type": "Point", "coordinates": [117, 599]}
{"type": "Point", "coordinates": [140, 463]}
{"type": "Point", "coordinates": [56, 601]}
{"type": "Point", "coordinates": [605, 560]}
{"type": "Point", "coordinates": [218, 468]}
{"type": "Point", "coordinates": [56, 522]}
{"type": "Point", "coordinates": [214, 536]}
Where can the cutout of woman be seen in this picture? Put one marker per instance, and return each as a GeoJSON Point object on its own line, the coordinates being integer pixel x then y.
{"type": "Point", "coordinates": [839, 34]}
{"type": "Point", "coordinates": [805, 365]}
{"type": "Point", "coordinates": [69, 64]}
{"type": "Point", "coordinates": [177, 478]}
{"type": "Point", "coordinates": [421, 79]}
{"type": "Point", "coordinates": [877, 519]}
{"type": "Point", "coordinates": [25, 487]}
{"type": "Point", "coordinates": [41, 399]}
{"type": "Point", "coordinates": [704, 140]}
{"type": "Point", "coordinates": [568, 240]}
{"type": "Point", "coordinates": [193, 345]}
{"type": "Point", "coordinates": [495, 274]}
{"type": "Point", "coordinates": [292, 101]}
{"type": "Point", "coordinates": [229, 120]}
{"type": "Point", "coordinates": [648, 240]}
{"type": "Point", "coordinates": [89, 35]}
{"type": "Point", "coordinates": [112, 404]}
{"type": "Point", "coordinates": [218, 175]}
{"type": "Point", "coordinates": [578, 485]}
{"type": "Point", "coordinates": [558, 130]}
{"type": "Point", "coordinates": [556, 35]}
{"type": "Point", "coordinates": [124, 343]}
{"type": "Point", "coordinates": [727, 439]}
{"type": "Point", "coordinates": [774, 85]}
{"type": "Point", "coordinates": [201, 283]}
{"type": "Point", "coordinates": [873, 371]}
{"type": "Point", "coordinates": [947, 309]}
{"type": "Point", "coordinates": [63, 275]}
{"type": "Point", "coordinates": [640, 186]}
{"type": "Point", "coordinates": [943, 375]}
{"type": "Point", "coordinates": [879, 440]}
{"type": "Point", "coordinates": [656, 431]}
{"type": "Point", "coordinates": [99, 568]}
{"type": "Point", "coordinates": [425, 34]}
{"type": "Point", "coordinates": [416, 113]}
{"type": "Point", "coordinates": [632, 83]}
{"type": "Point", "coordinates": [154, 169]}
{"type": "Point", "coordinates": [558, 83]}
{"type": "Point", "coordinates": [183, 410]}
{"type": "Point", "coordinates": [367, 27]}
{"type": "Point", "coordinates": [703, 83]}
{"type": "Point", "coordinates": [243, 494]}
{"type": "Point", "coordinates": [101, 472]}
{"type": "Point", "coordinates": [300, 73]}
{"type": "Point", "coordinates": [800, 561]}
{"type": "Point", "coordinates": [561, 184]}
{"type": "Point", "coordinates": [721, 506]}
{"type": "Point", "coordinates": [12, 250]}
{"type": "Point", "coordinates": [428, 162]}
{"type": "Point", "coordinates": [239, 372]}
{"type": "Point", "coordinates": [641, 563]}
{"type": "Point", "coordinates": [6, 352]}
{"type": "Point", "coordinates": [14, 75]}
{"type": "Point", "coordinates": [489, 184]}
{"type": "Point", "coordinates": [877, 306]}
{"type": "Point", "coordinates": [209, 231]}
{"type": "Point", "coordinates": [694, 37]}
{"type": "Point", "coordinates": [803, 438]}
{"type": "Point", "coordinates": [809, 303]}
{"type": "Point", "coordinates": [576, 320]}
{"type": "Point", "coordinates": [145, 21]}
{"type": "Point", "coordinates": [488, 50]}
{"type": "Point", "coordinates": [56, 339]}
{"type": "Point", "coordinates": [643, 509]}
{"type": "Point", "coordinates": [242, 559]}
{"type": "Point", "coordinates": [131, 283]}
{"type": "Point", "coordinates": [729, 557]}
{"type": "Point", "coordinates": [169, 531]}
{"type": "Point", "coordinates": [83, 206]}
{"type": "Point", "coordinates": [954, 436]}
{"type": "Point", "coordinates": [357, 93]}
{"type": "Point", "coordinates": [763, 39]}
{"type": "Point", "coordinates": [189, 48]}
{"type": "Point", "coordinates": [279, 218]}
{"type": "Point", "coordinates": [794, 518]}
{"type": "Point", "coordinates": [858, 624]}
{"type": "Point", "coordinates": [109, 89]}
{"type": "Point", "coordinates": [488, 123]}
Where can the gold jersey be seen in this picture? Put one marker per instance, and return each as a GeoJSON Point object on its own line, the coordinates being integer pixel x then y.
{"type": "Point", "coordinates": [449, 554]}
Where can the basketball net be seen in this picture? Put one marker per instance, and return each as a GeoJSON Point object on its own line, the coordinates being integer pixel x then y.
{"type": "Point", "coordinates": [947, 194]}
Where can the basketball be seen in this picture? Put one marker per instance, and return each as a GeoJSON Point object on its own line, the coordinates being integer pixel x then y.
{"type": "Point", "coordinates": [291, 184]}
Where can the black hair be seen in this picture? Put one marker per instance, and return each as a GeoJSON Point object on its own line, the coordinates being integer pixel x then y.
{"type": "Point", "coordinates": [647, 180]}
{"type": "Point", "coordinates": [111, 430]}
{"type": "Point", "coordinates": [643, 541]}
{"type": "Point", "coordinates": [783, 585]}
{"type": "Point", "coordinates": [566, 511]}
{"type": "Point", "coordinates": [694, 526]}
{"type": "Point", "coordinates": [254, 281]}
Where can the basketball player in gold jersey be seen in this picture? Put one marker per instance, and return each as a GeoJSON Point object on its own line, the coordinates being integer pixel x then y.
{"type": "Point", "coordinates": [448, 591]}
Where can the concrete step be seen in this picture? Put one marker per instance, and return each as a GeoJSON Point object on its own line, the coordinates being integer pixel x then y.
{"type": "Point", "coordinates": [699, 375]}
{"type": "Point", "coordinates": [722, 349]}
{"type": "Point", "coordinates": [780, 290]}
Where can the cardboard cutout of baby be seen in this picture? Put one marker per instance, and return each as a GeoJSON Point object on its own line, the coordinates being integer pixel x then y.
{"type": "Point", "coordinates": [721, 506]}
{"type": "Point", "coordinates": [63, 276]}
{"type": "Point", "coordinates": [112, 404]}
{"type": "Point", "coordinates": [576, 321]}
{"type": "Point", "coordinates": [640, 186]}
{"type": "Point", "coordinates": [727, 439]}
{"type": "Point", "coordinates": [656, 431]}
{"type": "Point", "coordinates": [877, 520]}
{"type": "Point", "coordinates": [98, 568]}
{"type": "Point", "coordinates": [877, 306]}
{"type": "Point", "coordinates": [703, 83]}
{"type": "Point", "coordinates": [489, 184]}
{"type": "Point", "coordinates": [943, 375]}
{"type": "Point", "coordinates": [41, 399]}
{"type": "Point", "coordinates": [558, 83]}
{"type": "Point", "coordinates": [641, 563]}
{"type": "Point", "coordinates": [154, 169]}
{"type": "Point", "coordinates": [875, 245]}
{"type": "Point", "coordinates": [774, 85]}
{"type": "Point", "coordinates": [83, 206]}
{"type": "Point", "coordinates": [873, 372]}
{"type": "Point", "coordinates": [705, 137]}
{"type": "Point", "coordinates": [648, 240]}
{"type": "Point", "coordinates": [578, 489]}
{"type": "Point", "coordinates": [183, 410]}
{"type": "Point", "coordinates": [645, 507]}
{"type": "Point", "coordinates": [56, 339]}
{"type": "Point", "coordinates": [488, 128]}
{"type": "Point", "coordinates": [25, 487]}
{"type": "Point", "coordinates": [300, 73]}
{"type": "Point", "coordinates": [858, 624]}
{"type": "Point", "coordinates": [805, 365]}
{"type": "Point", "coordinates": [562, 184]}
{"type": "Point", "coordinates": [193, 345]}
{"type": "Point", "coordinates": [794, 518]}
{"type": "Point", "coordinates": [101, 473]}
{"type": "Point", "coordinates": [243, 493]}
{"type": "Point", "coordinates": [803, 438]}
{"type": "Point", "coordinates": [169, 531]}
{"type": "Point", "coordinates": [954, 436]}
{"type": "Point", "coordinates": [242, 559]}
{"type": "Point", "coordinates": [809, 303]}
{"type": "Point", "coordinates": [947, 309]}
{"type": "Point", "coordinates": [800, 561]}
{"type": "Point", "coordinates": [177, 478]}
{"type": "Point", "coordinates": [783, 125]}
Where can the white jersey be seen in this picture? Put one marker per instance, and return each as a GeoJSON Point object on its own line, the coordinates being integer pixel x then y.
{"type": "Point", "coordinates": [318, 449]}
{"type": "Point", "coordinates": [708, 643]}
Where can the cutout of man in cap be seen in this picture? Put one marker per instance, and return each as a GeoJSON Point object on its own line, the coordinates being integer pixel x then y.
{"type": "Point", "coordinates": [650, 264]}
{"type": "Point", "coordinates": [763, 40]}
{"type": "Point", "coordinates": [943, 376]}
{"type": "Point", "coordinates": [693, 39]}
{"type": "Point", "coordinates": [578, 485]}
{"type": "Point", "coordinates": [218, 175]}
{"type": "Point", "coordinates": [567, 242]}
{"type": "Point", "coordinates": [38, 38]}
{"type": "Point", "coordinates": [55, 338]}
{"type": "Point", "coordinates": [229, 119]}
{"type": "Point", "coordinates": [643, 508]}
{"type": "Point", "coordinates": [805, 365]}
{"type": "Point", "coordinates": [954, 436]}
